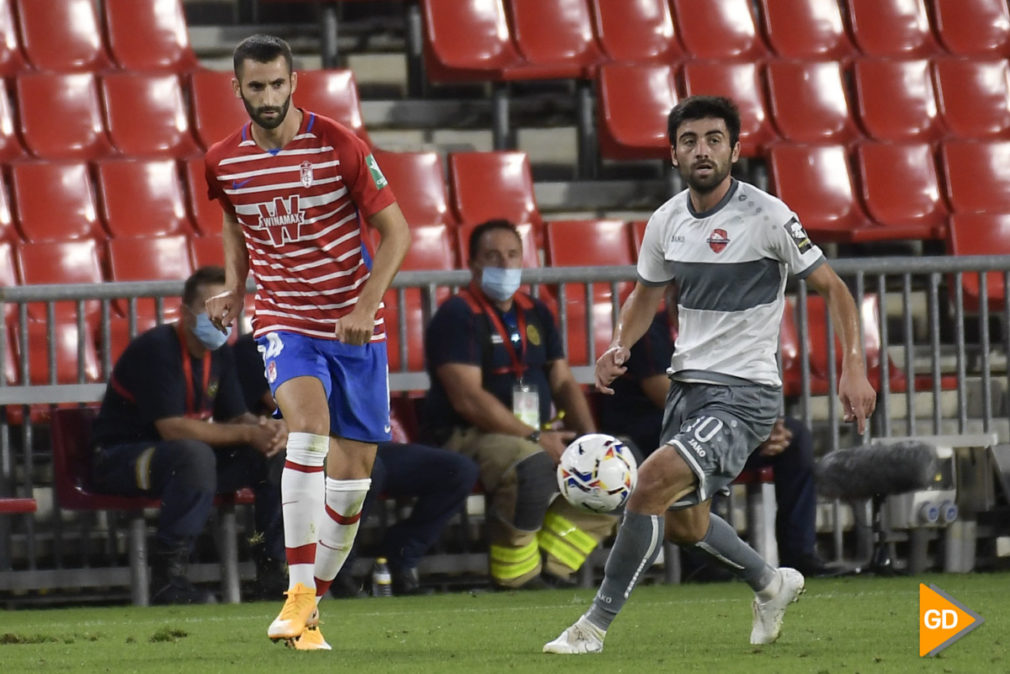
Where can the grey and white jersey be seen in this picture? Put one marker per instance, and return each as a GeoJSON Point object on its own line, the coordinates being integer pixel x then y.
{"type": "Point", "coordinates": [731, 264]}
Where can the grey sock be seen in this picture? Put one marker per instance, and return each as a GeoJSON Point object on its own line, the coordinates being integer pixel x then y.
{"type": "Point", "coordinates": [722, 544]}
{"type": "Point", "coordinates": [638, 543]}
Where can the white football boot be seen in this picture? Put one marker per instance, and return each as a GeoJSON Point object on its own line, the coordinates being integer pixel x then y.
{"type": "Point", "coordinates": [582, 637]}
{"type": "Point", "coordinates": [768, 615]}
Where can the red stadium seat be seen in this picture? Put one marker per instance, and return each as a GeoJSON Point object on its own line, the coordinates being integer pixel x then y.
{"type": "Point", "coordinates": [10, 363]}
{"type": "Point", "coordinates": [980, 234]}
{"type": "Point", "coordinates": [896, 100]}
{"type": "Point", "coordinates": [147, 114]}
{"type": "Point", "coordinates": [8, 232]}
{"type": "Point", "coordinates": [149, 35]}
{"type": "Point", "coordinates": [333, 94]}
{"type": "Point", "coordinates": [556, 35]}
{"type": "Point", "coordinates": [61, 262]}
{"type": "Point", "coordinates": [901, 190]}
{"type": "Point", "coordinates": [637, 233]}
{"type": "Point", "coordinates": [744, 83]}
{"type": "Point", "coordinates": [142, 197]}
{"type": "Point", "coordinates": [10, 146]}
{"type": "Point", "coordinates": [487, 185]}
{"type": "Point", "coordinates": [62, 36]}
{"type": "Point", "coordinates": [8, 279]}
{"type": "Point", "coordinates": [589, 243]}
{"type": "Point", "coordinates": [467, 41]}
{"type": "Point", "coordinates": [817, 183]}
{"type": "Point", "coordinates": [55, 200]}
{"type": "Point", "coordinates": [891, 28]}
{"type": "Point", "coordinates": [431, 249]}
{"type": "Point", "coordinates": [11, 58]}
{"type": "Point", "coordinates": [634, 103]}
{"type": "Point", "coordinates": [641, 31]}
{"type": "Point", "coordinates": [217, 113]}
{"type": "Point", "coordinates": [207, 250]}
{"type": "Point", "coordinates": [974, 96]}
{"type": "Point", "coordinates": [64, 338]}
{"type": "Point", "coordinates": [418, 181]}
{"type": "Point", "coordinates": [973, 27]}
{"type": "Point", "coordinates": [977, 175]}
{"type": "Point", "coordinates": [150, 258]}
{"type": "Point", "coordinates": [719, 29]}
{"type": "Point", "coordinates": [808, 102]}
{"type": "Point", "coordinates": [806, 29]}
{"type": "Point", "coordinates": [61, 116]}
{"type": "Point", "coordinates": [205, 212]}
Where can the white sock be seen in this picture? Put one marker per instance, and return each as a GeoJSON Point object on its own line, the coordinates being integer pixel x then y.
{"type": "Point", "coordinates": [302, 502]}
{"type": "Point", "coordinates": [771, 589]}
{"type": "Point", "coordinates": [338, 528]}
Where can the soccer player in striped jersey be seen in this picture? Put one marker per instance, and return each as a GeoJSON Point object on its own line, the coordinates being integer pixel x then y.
{"type": "Point", "coordinates": [297, 188]}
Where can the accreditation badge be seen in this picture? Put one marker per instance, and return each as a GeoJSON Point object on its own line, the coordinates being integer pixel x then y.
{"type": "Point", "coordinates": [526, 404]}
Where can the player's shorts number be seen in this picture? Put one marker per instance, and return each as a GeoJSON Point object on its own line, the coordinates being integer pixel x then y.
{"type": "Point", "coordinates": [706, 428]}
{"type": "Point", "coordinates": [273, 348]}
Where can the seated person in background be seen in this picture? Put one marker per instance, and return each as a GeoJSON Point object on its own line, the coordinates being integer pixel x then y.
{"type": "Point", "coordinates": [439, 479]}
{"type": "Point", "coordinates": [173, 425]}
{"type": "Point", "coordinates": [635, 413]}
{"type": "Point", "coordinates": [496, 364]}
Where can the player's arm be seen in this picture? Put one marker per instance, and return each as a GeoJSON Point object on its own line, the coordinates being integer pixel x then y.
{"type": "Point", "coordinates": [635, 317]}
{"type": "Point", "coordinates": [854, 390]}
{"type": "Point", "coordinates": [357, 327]}
{"type": "Point", "coordinates": [568, 396]}
{"type": "Point", "coordinates": [224, 308]}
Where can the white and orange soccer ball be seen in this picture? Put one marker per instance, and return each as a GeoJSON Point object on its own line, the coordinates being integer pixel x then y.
{"type": "Point", "coordinates": [597, 473]}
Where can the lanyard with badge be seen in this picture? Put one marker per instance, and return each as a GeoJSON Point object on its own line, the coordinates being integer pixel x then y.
{"type": "Point", "coordinates": [187, 373]}
{"type": "Point", "coordinates": [525, 398]}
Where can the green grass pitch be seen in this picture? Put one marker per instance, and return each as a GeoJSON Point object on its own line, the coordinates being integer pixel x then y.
{"type": "Point", "coordinates": [840, 625]}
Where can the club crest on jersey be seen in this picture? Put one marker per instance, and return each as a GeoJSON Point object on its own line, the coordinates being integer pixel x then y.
{"type": "Point", "coordinates": [718, 240]}
{"type": "Point", "coordinates": [306, 172]}
{"type": "Point", "coordinates": [282, 219]}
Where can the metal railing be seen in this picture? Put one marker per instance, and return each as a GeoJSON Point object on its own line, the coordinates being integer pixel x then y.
{"type": "Point", "coordinates": [923, 325]}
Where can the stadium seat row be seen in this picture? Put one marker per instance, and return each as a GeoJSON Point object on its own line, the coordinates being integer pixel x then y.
{"type": "Point", "coordinates": [809, 101]}
{"type": "Point", "coordinates": [143, 114]}
{"type": "Point", "coordinates": [84, 35]}
{"type": "Point", "coordinates": [530, 39]}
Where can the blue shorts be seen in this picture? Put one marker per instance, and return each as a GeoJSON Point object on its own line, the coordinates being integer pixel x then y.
{"type": "Point", "coordinates": [355, 378]}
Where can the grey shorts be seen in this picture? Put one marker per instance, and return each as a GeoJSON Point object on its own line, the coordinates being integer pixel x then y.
{"type": "Point", "coordinates": [715, 428]}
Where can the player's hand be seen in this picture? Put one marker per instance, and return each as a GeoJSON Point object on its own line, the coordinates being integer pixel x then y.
{"type": "Point", "coordinates": [610, 366]}
{"type": "Point", "coordinates": [224, 308]}
{"type": "Point", "coordinates": [778, 440]}
{"type": "Point", "coordinates": [857, 396]}
{"type": "Point", "coordinates": [554, 442]}
{"type": "Point", "coordinates": [357, 327]}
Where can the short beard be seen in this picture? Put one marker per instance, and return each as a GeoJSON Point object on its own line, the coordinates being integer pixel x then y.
{"type": "Point", "coordinates": [708, 185]}
{"type": "Point", "coordinates": [256, 114]}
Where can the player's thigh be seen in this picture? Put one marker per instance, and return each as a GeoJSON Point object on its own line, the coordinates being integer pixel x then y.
{"type": "Point", "coordinates": [359, 395]}
{"type": "Point", "coordinates": [303, 405]}
{"type": "Point", "coordinates": [662, 479]}
{"type": "Point", "coordinates": [350, 459]}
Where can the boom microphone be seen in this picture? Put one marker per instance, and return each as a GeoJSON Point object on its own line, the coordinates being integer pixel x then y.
{"type": "Point", "coordinates": [877, 469]}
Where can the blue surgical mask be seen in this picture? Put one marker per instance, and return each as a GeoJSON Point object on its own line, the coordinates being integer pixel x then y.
{"type": "Point", "coordinates": [500, 284]}
{"type": "Point", "coordinates": [209, 336]}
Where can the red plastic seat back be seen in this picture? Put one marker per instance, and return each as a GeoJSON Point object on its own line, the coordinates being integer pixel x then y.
{"type": "Point", "coordinates": [61, 116]}
{"type": "Point", "coordinates": [61, 262]}
{"type": "Point", "coordinates": [149, 35]}
{"type": "Point", "coordinates": [634, 104]}
{"type": "Point", "coordinates": [973, 27]}
{"type": "Point", "coordinates": [147, 114]}
{"type": "Point", "coordinates": [418, 181]}
{"type": "Point", "coordinates": [466, 40]}
{"type": "Point", "coordinates": [977, 175]}
{"type": "Point", "coordinates": [65, 35]}
{"type": "Point", "coordinates": [891, 28]}
{"type": "Point", "coordinates": [487, 185]}
{"type": "Point", "coordinates": [980, 234]}
{"type": "Point", "coordinates": [900, 185]}
{"type": "Point", "coordinates": [640, 31]}
{"type": "Point", "coordinates": [55, 201]}
{"type": "Point", "coordinates": [896, 99]}
{"type": "Point", "coordinates": [205, 213]}
{"type": "Point", "coordinates": [719, 29]}
{"type": "Point", "coordinates": [217, 113]}
{"type": "Point", "coordinates": [142, 197]}
{"type": "Point", "coordinates": [806, 29]}
{"type": "Point", "coordinates": [743, 82]}
{"type": "Point", "coordinates": [556, 33]}
{"type": "Point", "coordinates": [333, 94]}
{"type": "Point", "coordinates": [974, 96]}
{"type": "Point", "coordinates": [809, 103]}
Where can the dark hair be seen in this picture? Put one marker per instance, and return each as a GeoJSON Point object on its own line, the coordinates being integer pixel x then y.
{"type": "Point", "coordinates": [262, 49]}
{"type": "Point", "coordinates": [700, 107]}
{"type": "Point", "coordinates": [485, 227]}
{"type": "Point", "coordinates": [204, 276]}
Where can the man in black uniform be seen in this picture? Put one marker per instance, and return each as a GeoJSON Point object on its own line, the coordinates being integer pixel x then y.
{"type": "Point", "coordinates": [173, 425]}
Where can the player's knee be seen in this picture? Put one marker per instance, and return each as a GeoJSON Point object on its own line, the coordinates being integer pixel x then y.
{"type": "Point", "coordinates": [194, 464]}
{"type": "Point", "coordinates": [663, 475]}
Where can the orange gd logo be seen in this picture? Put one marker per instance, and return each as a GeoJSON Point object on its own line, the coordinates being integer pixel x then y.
{"type": "Point", "coordinates": [942, 620]}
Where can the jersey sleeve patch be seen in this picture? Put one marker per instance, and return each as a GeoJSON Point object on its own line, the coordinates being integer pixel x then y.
{"type": "Point", "coordinates": [798, 235]}
{"type": "Point", "coordinates": [373, 168]}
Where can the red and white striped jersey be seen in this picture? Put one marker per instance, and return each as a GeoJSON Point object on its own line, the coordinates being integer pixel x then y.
{"type": "Point", "coordinates": [301, 209]}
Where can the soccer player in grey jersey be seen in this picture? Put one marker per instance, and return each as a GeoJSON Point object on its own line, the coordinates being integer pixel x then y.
{"type": "Point", "coordinates": [729, 247]}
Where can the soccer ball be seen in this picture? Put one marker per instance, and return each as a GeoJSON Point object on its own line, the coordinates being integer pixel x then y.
{"type": "Point", "coordinates": [597, 473]}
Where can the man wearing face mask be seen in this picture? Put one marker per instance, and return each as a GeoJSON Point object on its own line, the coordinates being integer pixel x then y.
{"type": "Point", "coordinates": [496, 364]}
{"type": "Point", "coordinates": [173, 425]}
